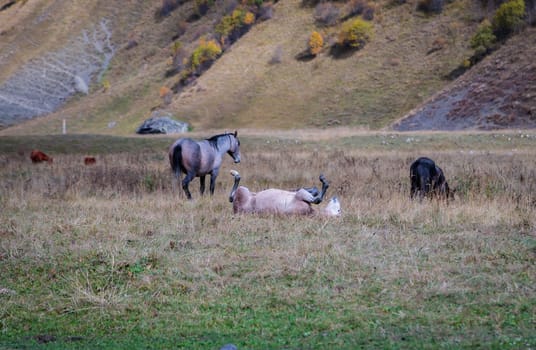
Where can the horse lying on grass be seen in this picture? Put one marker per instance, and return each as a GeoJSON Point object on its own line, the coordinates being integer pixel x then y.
{"type": "Point", "coordinates": [275, 201]}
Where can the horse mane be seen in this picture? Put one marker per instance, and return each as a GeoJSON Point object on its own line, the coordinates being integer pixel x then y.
{"type": "Point", "coordinates": [213, 140]}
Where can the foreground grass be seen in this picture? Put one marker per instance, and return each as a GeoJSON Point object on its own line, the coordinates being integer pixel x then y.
{"type": "Point", "coordinates": [112, 256]}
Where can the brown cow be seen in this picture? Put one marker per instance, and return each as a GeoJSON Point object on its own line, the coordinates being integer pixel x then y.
{"type": "Point", "coordinates": [90, 160]}
{"type": "Point", "coordinates": [38, 157]}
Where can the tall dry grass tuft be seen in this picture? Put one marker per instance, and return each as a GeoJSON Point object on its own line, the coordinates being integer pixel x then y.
{"type": "Point", "coordinates": [87, 293]}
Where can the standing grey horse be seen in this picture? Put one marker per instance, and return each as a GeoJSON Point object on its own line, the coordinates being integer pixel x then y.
{"type": "Point", "coordinates": [199, 158]}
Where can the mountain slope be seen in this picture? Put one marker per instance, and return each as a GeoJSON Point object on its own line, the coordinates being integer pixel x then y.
{"type": "Point", "coordinates": [498, 93]}
{"type": "Point", "coordinates": [402, 66]}
{"type": "Point", "coordinates": [368, 88]}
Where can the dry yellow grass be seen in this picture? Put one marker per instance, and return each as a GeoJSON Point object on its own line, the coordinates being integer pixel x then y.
{"type": "Point", "coordinates": [124, 191]}
{"type": "Point", "coordinates": [119, 238]}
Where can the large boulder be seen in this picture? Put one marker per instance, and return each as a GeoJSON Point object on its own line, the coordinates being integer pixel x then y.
{"type": "Point", "coordinates": [162, 123]}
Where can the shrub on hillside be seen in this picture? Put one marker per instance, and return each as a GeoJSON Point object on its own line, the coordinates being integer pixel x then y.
{"type": "Point", "coordinates": [327, 13]}
{"type": "Point", "coordinates": [204, 55]}
{"type": "Point", "coordinates": [483, 42]}
{"type": "Point", "coordinates": [241, 15]}
{"type": "Point", "coordinates": [249, 18]}
{"type": "Point", "coordinates": [484, 39]}
{"type": "Point", "coordinates": [226, 26]}
{"type": "Point", "coordinates": [177, 59]}
{"type": "Point", "coordinates": [355, 33]}
{"type": "Point", "coordinates": [105, 84]}
{"type": "Point", "coordinates": [233, 26]}
{"type": "Point", "coordinates": [176, 47]}
{"type": "Point", "coordinates": [508, 17]}
{"type": "Point", "coordinates": [316, 42]}
{"type": "Point", "coordinates": [430, 6]}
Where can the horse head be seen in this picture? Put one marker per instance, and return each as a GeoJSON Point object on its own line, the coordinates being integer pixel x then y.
{"type": "Point", "coordinates": [234, 147]}
{"type": "Point", "coordinates": [333, 208]}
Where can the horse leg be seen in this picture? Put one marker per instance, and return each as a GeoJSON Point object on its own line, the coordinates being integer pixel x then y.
{"type": "Point", "coordinates": [185, 182]}
{"type": "Point", "coordinates": [213, 177]}
{"type": "Point", "coordinates": [325, 184]}
{"type": "Point", "coordinates": [424, 187]}
{"type": "Point", "coordinates": [236, 176]}
{"type": "Point", "coordinates": [202, 186]}
{"type": "Point", "coordinates": [312, 190]}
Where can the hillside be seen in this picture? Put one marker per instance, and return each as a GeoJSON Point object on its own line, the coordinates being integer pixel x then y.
{"type": "Point", "coordinates": [498, 93]}
{"type": "Point", "coordinates": [405, 64]}
{"type": "Point", "coordinates": [368, 88]}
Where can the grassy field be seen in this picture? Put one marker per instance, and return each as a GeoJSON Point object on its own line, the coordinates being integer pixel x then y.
{"type": "Point", "coordinates": [113, 256]}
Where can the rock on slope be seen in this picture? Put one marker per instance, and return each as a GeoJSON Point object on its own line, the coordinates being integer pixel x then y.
{"type": "Point", "coordinates": [498, 93]}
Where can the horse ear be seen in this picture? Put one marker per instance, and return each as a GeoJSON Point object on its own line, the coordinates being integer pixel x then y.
{"type": "Point", "coordinates": [235, 133]}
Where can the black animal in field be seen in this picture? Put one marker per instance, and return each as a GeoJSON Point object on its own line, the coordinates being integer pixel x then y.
{"type": "Point", "coordinates": [428, 180]}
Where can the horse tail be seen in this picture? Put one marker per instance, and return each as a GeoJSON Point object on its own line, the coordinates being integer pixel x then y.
{"type": "Point", "coordinates": [176, 160]}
